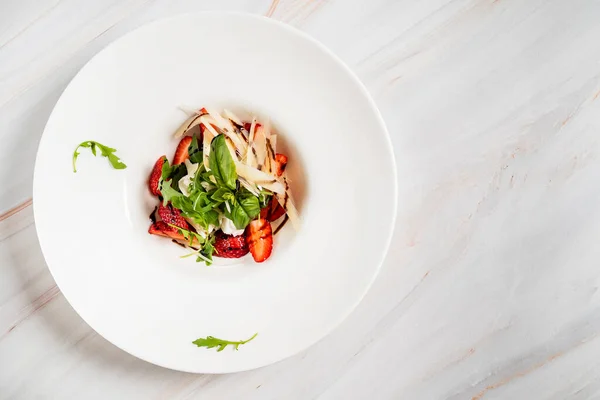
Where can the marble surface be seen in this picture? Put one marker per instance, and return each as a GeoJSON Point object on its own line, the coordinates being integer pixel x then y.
{"type": "Point", "coordinates": [490, 289]}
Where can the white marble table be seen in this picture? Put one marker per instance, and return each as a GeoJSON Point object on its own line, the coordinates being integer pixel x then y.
{"type": "Point", "coordinates": [490, 289]}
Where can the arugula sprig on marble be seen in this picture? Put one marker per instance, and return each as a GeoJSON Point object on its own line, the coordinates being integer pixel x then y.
{"type": "Point", "coordinates": [212, 342]}
{"type": "Point", "coordinates": [105, 151]}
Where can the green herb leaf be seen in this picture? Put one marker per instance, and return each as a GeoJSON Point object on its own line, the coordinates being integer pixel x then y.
{"type": "Point", "coordinates": [222, 194]}
{"type": "Point", "coordinates": [211, 342]}
{"type": "Point", "coordinates": [105, 151]}
{"type": "Point", "coordinates": [195, 151]}
{"type": "Point", "coordinates": [245, 209]}
{"type": "Point", "coordinates": [167, 170]}
{"type": "Point", "coordinates": [207, 251]}
{"type": "Point", "coordinates": [179, 171]}
{"type": "Point", "coordinates": [170, 194]}
{"type": "Point", "coordinates": [221, 163]}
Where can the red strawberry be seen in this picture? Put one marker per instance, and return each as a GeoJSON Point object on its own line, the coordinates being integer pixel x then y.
{"type": "Point", "coordinates": [259, 237]}
{"type": "Point", "coordinates": [203, 128]}
{"type": "Point", "coordinates": [162, 229]}
{"type": "Point", "coordinates": [273, 211]}
{"type": "Point", "coordinates": [155, 176]}
{"type": "Point", "coordinates": [248, 125]}
{"type": "Point", "coordinates": [172, 216]}
{"type": "Point", "coordinates": [182, 154]}
{"type": "Point", "coordinates": [280, 164]}
{"type": "Point", "coordinates": [276, 210]}
{"type": "Point", "coordinates": [265, 212]}
{"type": "Point", "coordinates": [228, 246]}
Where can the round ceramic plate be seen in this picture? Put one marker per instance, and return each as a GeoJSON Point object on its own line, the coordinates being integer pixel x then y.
{"type": "Point", "coordinates": [133, 288]}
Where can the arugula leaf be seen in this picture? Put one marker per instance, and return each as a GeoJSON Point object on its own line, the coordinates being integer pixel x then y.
{"type": "Point", "coordinates": [245, 209]}
{"type": "Point", "coordinates": [195, 151]}
{"type": "Point", "coordinates": [198, 207]}
{"type": "Point", "coordinates": [105, 151]}
{"type": "Point", "coordinates": [206, 244]}
{"type": "Point", "coordinates": [173, 173]}
{"type": "Point", "coordinates": [169, 194]}
{"type": "Point", "coordinates": [210, 342]}
{"type": "Point", "coordinates": [167, 170]}
{"type": "Point", "coordinates": [212, 217]}
{"type": "Point", "coordinates": [207, 251]}
{"type": "Point", "coordinates": [179, 171]}
{"type": "Point", "coordinates": [221, 163]}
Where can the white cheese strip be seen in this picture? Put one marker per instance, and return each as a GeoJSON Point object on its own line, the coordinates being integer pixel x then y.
{"type": "Point", "coordinates": [254, 176]}
{"type": "Point", "coordinates": [260, 146]}
{"type": "Point", "coordinates": [187, 125]}
{"type": "Point", "coordinates": [251, 152]}
{"type": "Point", "coordinates": [285, 199]}
{"type": "Point", "coordinates": [233, 117]}
{"type": "Point", "coordinates": [207, 137]}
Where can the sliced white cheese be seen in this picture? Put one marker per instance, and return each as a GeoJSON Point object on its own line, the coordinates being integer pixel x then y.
{"type": "Point", "coordinates": [260, 146]}
{"type": "Point", "coordinates": [185, 181]}
{"type": "Point", "coordinates": [233, 117]}
{"type": "Point", "coordinates": [251, 152]}
{"type": "Point", "coordinates": [207, 137]}
{"type": "Point", "coordinates": [199, 228]}
{"type": "Point", "coordinates": [260, 178]}
{"type": "Point", "coordinates": [251, 188]}
{"type": "Point", "coordinates": [187, 125]}
{"type": "Point", "coordinates": [228, 227]}
{"type": "Point", "coordinates": [285, 199]}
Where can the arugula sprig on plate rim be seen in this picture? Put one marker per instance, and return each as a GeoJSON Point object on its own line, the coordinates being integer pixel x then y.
{"type": "Point", "coordinates": [105, 151]}
{"type": "Point", "coordinates": [211, 342]}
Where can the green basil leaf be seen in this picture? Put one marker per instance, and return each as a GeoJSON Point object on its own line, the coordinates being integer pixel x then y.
{"type": "Point", "coordinates": [212, 217]}
{"type": "Point", "coordinates": [221, 163]}
{"type": "Point", "coordinates": [249, 202]}
{"type": "Point", "coordinates": [221, 194]}
{"type": "Point", "coordinates": [245, 209]}
{"type": "Point", "coordinates": [239, 217]}
{"type": "Point", "coordinates": [195, 151]}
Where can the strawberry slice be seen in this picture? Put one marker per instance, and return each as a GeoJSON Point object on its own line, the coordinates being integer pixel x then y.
{"type": "Point", "coordinates": [259, 237]}
{"type": "Point", "coordinates": [161, 228]}
{"type": "Point", "coordinates": [182, 154]}
{"type": "Point", "coordinates": [155, 176]}
{"type": "Point", "coordinates": [172, 216]}
{"type": "Point", "coordinates": [273, 211]}
{"type": "Point", "coordinates": [248, 125]}
{"type": "Point", "coordinates": [228, 246]}
{"type": "Point", "coordinates": [265, 212]}
{"type": "Point", "coordinates": [276, 210]}
{"type": "Point", "coordinates": [280, 164]}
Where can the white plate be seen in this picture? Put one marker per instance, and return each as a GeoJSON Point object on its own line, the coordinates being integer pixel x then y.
{"type": "Point", "coordinates": [131, 287]}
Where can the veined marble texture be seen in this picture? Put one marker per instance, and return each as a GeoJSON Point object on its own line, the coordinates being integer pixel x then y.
{"type": "Point", "coordinates": [490, 288]}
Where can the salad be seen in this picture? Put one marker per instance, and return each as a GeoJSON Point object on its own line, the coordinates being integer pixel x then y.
{"type": "Point", "coordinates": [225, 193]}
